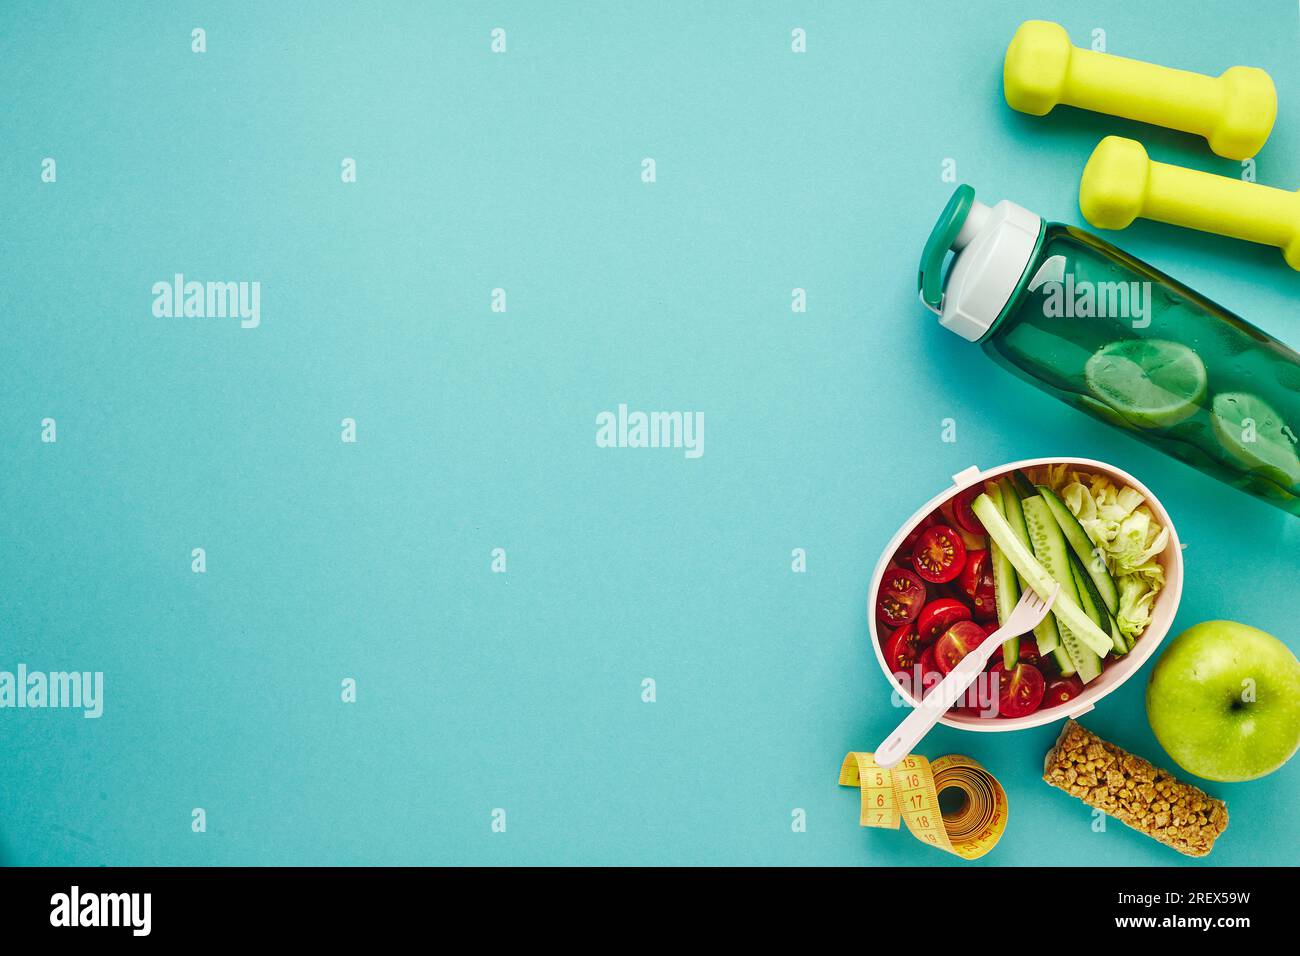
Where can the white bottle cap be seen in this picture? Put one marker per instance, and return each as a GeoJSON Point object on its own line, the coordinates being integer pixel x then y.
{"type": "Point", "coordinates": [993, 246]}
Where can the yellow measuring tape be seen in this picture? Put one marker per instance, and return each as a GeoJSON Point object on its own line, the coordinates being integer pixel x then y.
{"type": "Point", "coordinates": [910, 791]}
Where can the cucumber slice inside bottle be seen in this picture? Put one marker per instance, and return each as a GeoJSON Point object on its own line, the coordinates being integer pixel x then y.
{"type": "Point", "coordinates": [1104, 412]}
{"type": "Point", "coordinates": [1153, 383]}
{"type": "Point", "coordinates": [1255, 437]}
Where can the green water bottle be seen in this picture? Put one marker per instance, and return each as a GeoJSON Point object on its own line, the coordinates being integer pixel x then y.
{"type": "Point", "coordinates": [1120, 340]}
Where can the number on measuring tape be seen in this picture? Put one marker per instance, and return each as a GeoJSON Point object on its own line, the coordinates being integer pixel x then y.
{"type": "Point", "coordinates": [910, 791]}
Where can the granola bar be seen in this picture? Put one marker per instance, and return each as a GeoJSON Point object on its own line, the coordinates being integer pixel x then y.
{"type": "Point", "coordinates": [1134, 792]}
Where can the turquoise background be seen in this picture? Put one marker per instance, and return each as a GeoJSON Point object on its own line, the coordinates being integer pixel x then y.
{"type": "Point", "coordinates": [476, 430]}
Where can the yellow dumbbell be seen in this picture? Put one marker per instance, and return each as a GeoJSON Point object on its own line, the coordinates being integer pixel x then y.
{"type": "Point", "coordinates": [1235, 111]}
{"type": "Point", "coordinates": [1121, 183]}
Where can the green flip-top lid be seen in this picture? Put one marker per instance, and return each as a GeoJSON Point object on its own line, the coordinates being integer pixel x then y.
{"type": "Point", "coordinates": [942, 237]}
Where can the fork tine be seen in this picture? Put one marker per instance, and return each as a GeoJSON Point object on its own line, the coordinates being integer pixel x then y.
{"type": "Point", "coordinates": [1034, 604]}
{"type": "Point", "coordinates": [1041, 602]}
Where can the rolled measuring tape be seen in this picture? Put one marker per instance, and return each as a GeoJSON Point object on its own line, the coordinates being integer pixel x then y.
{"type": "Point", "coordinates": [910, 792]}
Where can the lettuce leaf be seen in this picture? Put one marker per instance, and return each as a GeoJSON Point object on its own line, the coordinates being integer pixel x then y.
{"type": "Point", "coordinates": [1136, 597]}
{"type": "Point", "coordinates": [1125, 529]}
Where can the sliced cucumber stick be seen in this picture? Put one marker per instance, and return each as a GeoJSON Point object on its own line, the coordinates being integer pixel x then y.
{"type": "Point", "coordinates": [1023, 486]}
{"type": "Point", "coordinates": [1089, 600]}
{"type": "Point", "coordinates": [1062, 656]}
{"type": "Point", "coordinates": [1066, 608]}
{"type": "Point", "coordinates": [1086, 663]}
{"type": "Point", "coordinates": [1094, 565]}
{"type": "Point", "coordinates": [1054, 554]}
{"type": "Point", "coordinates": [1006, 588]}
{"type": "Point", "coordinates": [1092, 604]}
{"type": "Point", "coordinates": [1006, 593]}
{"type": "Point", "coordinates": [1051, 549]}
{"type": "Point", "coordinates": [1119, 639]}
{"type": "Point", "coordinates": [1045, 633]}
{"type": "Point", "coordinates": [994, 491]}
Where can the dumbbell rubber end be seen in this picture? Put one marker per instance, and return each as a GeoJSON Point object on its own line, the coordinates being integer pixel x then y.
{"type": "Point", "coordinates": [1114, 186]}
{"type": "Point", "coordinates": [1291, 252]}
{"type": "Point", "coordinates": [1034, 72]}
{"type": "Point", "coordinates": [1249, 111]}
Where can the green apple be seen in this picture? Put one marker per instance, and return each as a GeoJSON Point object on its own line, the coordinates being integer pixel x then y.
{"type": "Point", "coordinates": [1224, 701]}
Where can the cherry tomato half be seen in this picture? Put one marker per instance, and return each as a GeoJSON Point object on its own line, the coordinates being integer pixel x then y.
{"type": "Point", "coordinates": [930, 673]}
{"type": "Point", "coordinates": [977, 584]}
{"type": "Point", "coordinates": [943, 514]}
{"type": "Point", "coordinates": [900, 598]}
{"type": "Point", "coordinates": [901, 649]}
{"type": "Point", "coordinates": [962, 513]}
{"type": "Point", "coordinates": [902, 559]}
{"type": "Point", "coordinates": [909, 542]}
{"type": "Point", "coordinates": [1029, 650]}
{"type": "Point", "coordinates": [937, 616]}
{"type": "Point", "coordinates": [1061, 690]}
{"type": "Point", "coordinates": [939, 554]}
{"type": "Point", "coordinates": [1020, 690]}
{"type": "Point", "coordinates": [956, 642]}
